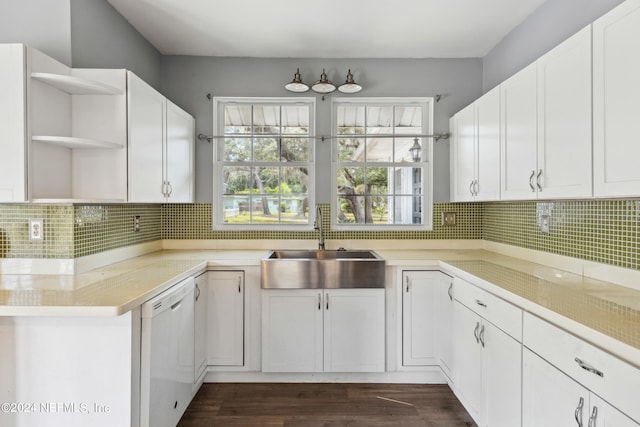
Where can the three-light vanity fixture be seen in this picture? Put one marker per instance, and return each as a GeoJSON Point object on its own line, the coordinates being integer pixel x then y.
{"type": "Point", "coordinates": [323, 85]}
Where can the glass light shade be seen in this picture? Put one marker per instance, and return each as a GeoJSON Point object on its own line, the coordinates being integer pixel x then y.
{"type": "Point", "coordinates": [323, 85]}
{"type": "Point", "coordinates": [296, 84]}
{"type": "Point", "coordinates": [415, 150]}
{"type": "Point", "coordinates": [350, 86]}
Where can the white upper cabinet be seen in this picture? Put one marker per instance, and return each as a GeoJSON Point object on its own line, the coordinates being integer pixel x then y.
{"type": "Point", "coordinates": [487, 185]}
{"type": "Point", "coordinates": [564, 119]}
{"type": "Point", "coordinates": [475, 150]}
{"type": "Point", "coordinates": [518, 137]}
{"type": "Point", "coordinates": [147, 115]}
{"type": "Point", "coordinates": [546, 125]}
{"type": "Point", "coordinates": [463, 155]}
{"type": "Point", "coordinates": [616, 112]}
{"type": "Point", "coordinates": [179, 155]}
{"type": "Point", "coordinates": [161, 145]}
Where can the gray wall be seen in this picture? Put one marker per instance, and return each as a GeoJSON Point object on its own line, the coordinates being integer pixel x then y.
{"type": "Point", "coordinates": [102, 38]}
{"type": "Point", "coordinates": [545, 28]}
{"type": "Point", "coordinates": [42, 24]}
{"type": "Point", "coordinates": [186, 80]}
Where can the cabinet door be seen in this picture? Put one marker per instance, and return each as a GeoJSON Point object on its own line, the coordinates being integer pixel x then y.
{"type": "Point", "coordinates": [487, 185]}
{"type": "Point", "coordinates": [292, 330]}
{"type": "Point", "coordinates": [518, 137]}
{"type": "Point", "coordinates": [564, 118]}
{"type": "Point", "coordinates": [200, 329]}
{"type": "Point", "coordinates": [501, 378]}
{"type": "Point", "coordinates": [549, 397]}
{"type": "Point", "coordinates": [444, 325]}
{"type": "Point", "coordinates": [13, 149]}
{"type": "Point", "coordinates": [616, 90]}
{"type": "Point", "coordinates": [146, 139]}
{"type": "Point", "coordinates": [225, 318]}
{"type": "Point", "coordinates": [601, 414]}
{"type": "Point", "coordinates": [354, 330]}
{"type": "Point", "coordinates": [464, 155]}
{"type": "Point", "coordinates": [179, 156]}
{"type": "Point", "coordinates": [419, 317]}
{"type": "Point", "coordinates": [467, 358]}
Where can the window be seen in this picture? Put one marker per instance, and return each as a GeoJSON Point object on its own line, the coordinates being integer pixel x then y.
{"type": "Point", "coordinates": [264, 163]}
{"type": "Point", "coordinates": [382, 175]}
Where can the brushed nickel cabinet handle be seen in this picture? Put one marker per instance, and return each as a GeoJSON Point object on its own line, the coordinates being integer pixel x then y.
{"type": "Point", "coordinates": [481, 336]}
{"type": "Point", "coordinates": [589, 368]}
{"type": "Point", "coordinates": [475, 332]}
{"type": "Point", "coordinates": [533, 189]}
{"type": "Point", "coordinates": [578, 412]}
{"type": "Point", "coordinates": [592, 418]}
{"type": "Point", "coordinates": [539, 174]}
{"type": "Point", "coordinates": [407, 281]}
{"type": "Point", "coordinates": [449, 291]}
{"type": "Point", "coordinates": [480, 303]}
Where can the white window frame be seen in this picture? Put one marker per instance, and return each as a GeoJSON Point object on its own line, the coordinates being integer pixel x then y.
{"type": "Point", "coordinates": [426, 162]}
{"type": "Point", "coordinates": [218, 148]}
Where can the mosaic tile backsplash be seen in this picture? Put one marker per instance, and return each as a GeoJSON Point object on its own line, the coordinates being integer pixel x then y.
{"type": "Point", "coordinates": [606, 231]}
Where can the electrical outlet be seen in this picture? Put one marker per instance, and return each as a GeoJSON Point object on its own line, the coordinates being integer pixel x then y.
{"type": "Point", "coordinates": [545, 223]}
{"type": "Point", "coordinates": [36, 229]}
{"type": "Point", "coordinates": [448, 219]}
{"type": "Point", "coordinates": [136, 223]}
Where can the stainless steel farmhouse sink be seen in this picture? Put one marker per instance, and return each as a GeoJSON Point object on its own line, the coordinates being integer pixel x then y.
{"type": "Point", "coordinates": [317, 269]}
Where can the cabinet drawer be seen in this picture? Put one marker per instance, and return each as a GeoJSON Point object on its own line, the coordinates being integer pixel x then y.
{"type": "Point", "coordinates": [619, 381]}
{"type": "Point", "coordinates": [497, 311]}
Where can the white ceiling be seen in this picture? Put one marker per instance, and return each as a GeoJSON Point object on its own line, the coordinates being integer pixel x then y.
{"type": "Point", "coordinates": [326, 29]}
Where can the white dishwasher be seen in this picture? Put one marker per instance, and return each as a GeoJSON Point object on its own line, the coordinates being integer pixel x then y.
{"type": "Point", "coordinates": [167, 355]}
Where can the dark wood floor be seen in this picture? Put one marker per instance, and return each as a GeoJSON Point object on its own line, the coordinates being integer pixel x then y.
{"type": "Point", "coordinates": [326, 405]}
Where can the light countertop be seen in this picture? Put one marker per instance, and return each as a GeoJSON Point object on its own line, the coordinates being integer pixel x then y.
{"type": "Point", "coordinates": [602, 313]}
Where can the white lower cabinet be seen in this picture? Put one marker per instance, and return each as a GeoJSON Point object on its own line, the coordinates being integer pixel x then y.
{"type": "Point", "coordinates": [427, 317]}
{"type": "Point", "coordinates": [551, 398]}
{"type": "Point", "coordinates": [200, 327]}
{"type": "Point", "coordinates": [316, 330]}
{"type": "Point", "coordinates": [225, 318]}
{"type": "Point", "coordinates": [420, 318]}
{"type": "Point", "coordinates": [487, 360]}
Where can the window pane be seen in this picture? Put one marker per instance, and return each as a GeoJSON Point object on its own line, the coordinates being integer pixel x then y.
{"type": "Point", "coordinates": [295, 119]}
{"type": "Point", "coordinates": [350, 149]}
{"type": "Point", "coordinates": [407, 181]}
{"type": "Point", "coordinates": [350, 181]}
{"type": "Point", "coordinates": [236, 209]}
{"type": "Point", "coordinates": [265, 209]}
{"type": "Point", "coordinates": [294, 209]}
{"type": "Point", "coordinates": [266, 180]}
{"type": "Point", "coordinates": [266, 119]}
{"type": "Point", "coordinates": [377, 181]}
{"type": "Point", "coordinates": [237, 150]}
{"type": "Point", "coordinates": [408, 119]}
{"type": "Point", "coordinates": [379, 120]}
{"type": "Point", "coordinates": [380, 150]}
{"type": "Point", "coordinates": [407, 210]}
{"type": "Point", "coordinates": [363, 210]}
{"type": "Point", "coordinates": [350, 120]}
{"type": "Point", "coordinates": [237, 119]}
{"type": "Point", "coordinates": [236, 180]}
{"type": "Point", "coordinates": [265, 150]}
{"type": "Point", "coordinates": [295, 149]}
{"type": "Point", "coordinates": [294, 180]}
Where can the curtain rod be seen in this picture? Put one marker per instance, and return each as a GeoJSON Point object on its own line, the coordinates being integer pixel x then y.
{"type": "Point", "coordinates": [437, 136]}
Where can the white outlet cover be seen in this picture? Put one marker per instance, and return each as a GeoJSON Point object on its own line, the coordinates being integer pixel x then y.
{"type": "Point", "coordinates": [36, 229]}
